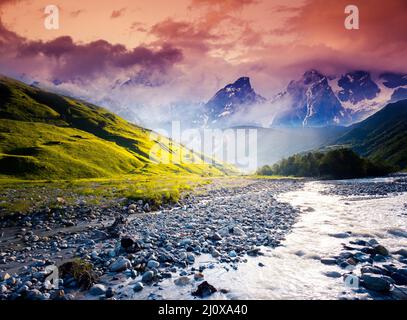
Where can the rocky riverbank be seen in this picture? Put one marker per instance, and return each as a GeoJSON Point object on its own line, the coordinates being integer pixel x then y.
{"type": "Point", "coordinates": [368, 187]}
{"type": "Point", "coordinates": [98, 250]}
{"type": "Point", "coordinates": [371, 269]}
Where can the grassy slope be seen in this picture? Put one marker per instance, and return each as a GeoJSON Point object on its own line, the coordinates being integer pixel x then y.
{"type": "Point", "coordinates": [48, 136]}
{"type": "Point", "coordinates": [383, 136]}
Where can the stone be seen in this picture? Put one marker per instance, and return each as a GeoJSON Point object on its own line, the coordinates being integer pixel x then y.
{"type": "Point", "coordinates": [204, 290]}
{"type": "Point", "coordinates": [379, 249]}
{"type": "Point", "coordinates": [399, 278]}
{"type": "Point", "coordinates": [375, 282]}
{"type": "Point", "coordinates": [182, 281]}
{"type": "Point", "coordinates": [147, 276]}
{"type": "Point", "coordinates": [120, 264]}
{"type": "Point", "coordinates": [4, 276]}
{"type": "Point", "coordinates": [402, 252]}
{"type": "Point", "coordinates": [352, 261]}
{"type": "Point", "coordinates": [373, 242]}
{"type": "Point", "coordinates": [138, 287]}
{"type": "Point", "coordinates": [216, 237]}
{"type": "Point", "coordinates": [328, 261]}
{"type": "Point", "coordinates": [225, 231]}
{"type": "Point", "coordinates": [340, 235]}
{"type": "Point", "coordinates": [132, 207]}
{"type": "Point", "coordinates": [333, 274]}
{"type": "Point", "coordinates": [232, 254]}
{"type": "Point", "coordinates": [238, 232]}
{"type": "Point", "coordinates": [3, 289]}
{"type": "Point", "coordinates": [379, 258]}
{"type": "Point", "coordinates": [185, 242]}
{"type": "Point", "coordinates": [126, 243]}
{"type": "Point", "coordinates": [215, 253]}
{"type": "Point", "coordinates": [35, 294]}
{"type": "Point", "coordinates": [190, 258]}
{"type": "Point", "coordinates": [198, 276]}
{"type": "Point", "coordinates": [97, 290]}
{"type": "Point", "coordinates": [254, 252]}
{"type": "Point", "coordinates": [374, 270]}
{"type": "Point", "coordinates": [34, 238]}
{"type": "Point", "coordinates": [152, 264]}
{"type": "Point", "coordinates": [110, 292]}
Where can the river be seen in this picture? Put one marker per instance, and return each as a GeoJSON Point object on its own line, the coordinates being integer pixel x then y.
{"type": "Point", "coordinates": [293, 270]}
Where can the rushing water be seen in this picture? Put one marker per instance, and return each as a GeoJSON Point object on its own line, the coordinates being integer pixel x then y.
{"type": "Point", "coordinates": [294, 270]}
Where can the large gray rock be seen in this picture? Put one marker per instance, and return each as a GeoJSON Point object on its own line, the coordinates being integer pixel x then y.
{"type": "Point", "coordinates": [328, 261]}
{"type": "Point", "coordinates": [120, 264]}
{"type": "Point", "coordinates": [381, 250]}
{"type": "Point", "coordinates": [98, 290]}
{"type": "Point", "coordinates": [376, 282]}
{"type": "Point", "coordinates": [147, 276]}
{"type": "Point", "coordinates": [153, 264]}
{"type": "Point", "coordinates": [402, 252]}
{"type": "Point", "coordinates": [138, 287]}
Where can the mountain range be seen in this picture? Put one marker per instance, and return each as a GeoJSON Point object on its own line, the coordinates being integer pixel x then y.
{"type": "Point", "coordinates": [314, 100]}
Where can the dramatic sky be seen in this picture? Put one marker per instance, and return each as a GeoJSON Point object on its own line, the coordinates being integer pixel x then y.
{"type": "Point", "coordinates": [185, 50]}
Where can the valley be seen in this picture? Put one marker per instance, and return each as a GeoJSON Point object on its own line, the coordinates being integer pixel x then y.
{"type": "Point", "coordinates": [87, 211]}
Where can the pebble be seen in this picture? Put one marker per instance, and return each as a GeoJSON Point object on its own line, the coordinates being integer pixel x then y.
{"type": "Point", "coordinates": [138, 286]}
{"type": "Point", "coordinates": [182, 281]}
{"type": "Point", "coordinates": [120, 264]}
{"type": "Point", "coordinates": [152, 264]}
{"type": "Point", "coordinates": [147, 276]}
{"type": "Point", "coordinates": [4, 276]}
{"type": "Point", "coordinates": [98, 290]}
{"type": "Point", "coordinates": [232, 254]}
{"type": "Point", "coordinates": [333, 274]}
{"type": "Point", "coordinates": [3, 289]}
{"type": "Point", "coordinates": [328, 261]}
{"type": "Point", "coordinates": [204, 290]}
{"type": "Point", "coordinates": [402, 252]}
{"type": "Point", "coordinates": [110, 292]}
{"type": "Point", "coordinates": [381, 250]}
{"type": "Point", "coordinates": [215, 253]}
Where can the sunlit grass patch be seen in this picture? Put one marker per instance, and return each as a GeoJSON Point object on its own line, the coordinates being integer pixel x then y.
{"type": "Point", "coordinates": [18, 196]}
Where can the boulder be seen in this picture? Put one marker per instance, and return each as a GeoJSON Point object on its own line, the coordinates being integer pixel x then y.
{"type": "Point", "coordinates": [120, 264]}
{"type": "Point", "coordinates": [147, 276]}
{"type": "Point", "coordinates": [379, 249]}
{"type": "Point", "coordinates": [204, 290]}
{"type": "Point", "coordinates": [138, 287]}
{"type": "Point", "coordinates": [375, 282]}
{"type": "Point", "coordinates": [402, 252]}
{"type": "Point", "coordinates": [98, 290]}
{"type": "Point", "coordinates": [126, 243]}
{"type": "Point", "coordinates": [328, 261]}
{"type": "Point", "coordinates": [152, 264]}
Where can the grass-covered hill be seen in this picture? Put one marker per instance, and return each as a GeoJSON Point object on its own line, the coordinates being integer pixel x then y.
{"type": "Point", "coordinates": [381, 137]}
{"type": "Point", "coordinates": [49, 136]}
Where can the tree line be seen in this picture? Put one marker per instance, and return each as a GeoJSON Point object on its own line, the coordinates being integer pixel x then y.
{"type": "Point", "coordinates": [335, 164]}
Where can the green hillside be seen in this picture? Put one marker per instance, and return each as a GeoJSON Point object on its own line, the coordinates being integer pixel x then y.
{"type": "Point", "coordinates": [381, 137]}
{"type": "Point", "coordinates": [48, 136]}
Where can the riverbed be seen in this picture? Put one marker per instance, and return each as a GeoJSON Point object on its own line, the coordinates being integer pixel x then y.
{"type": "Point", "coordinates": [294, 269]}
